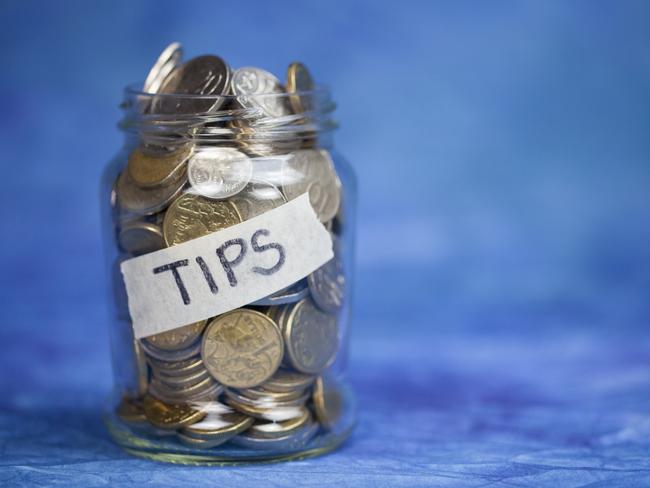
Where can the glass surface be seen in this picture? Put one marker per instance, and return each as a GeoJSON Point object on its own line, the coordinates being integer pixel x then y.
{"type": "Point", "coordinates": [182, 176]}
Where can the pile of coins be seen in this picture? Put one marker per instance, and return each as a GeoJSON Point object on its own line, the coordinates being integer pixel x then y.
{"type": "Point", "coordinates": [255, 376]}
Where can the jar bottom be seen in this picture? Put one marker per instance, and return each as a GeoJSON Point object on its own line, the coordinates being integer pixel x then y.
{"type": "Point", "coordinates": [136, 442]}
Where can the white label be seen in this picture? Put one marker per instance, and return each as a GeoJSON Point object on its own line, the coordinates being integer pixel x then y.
{"type": "Point", "coordinates": [225, 270]}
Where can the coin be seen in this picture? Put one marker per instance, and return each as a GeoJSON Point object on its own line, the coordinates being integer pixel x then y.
{"type": "Point", "coordinates": [170, 356]}
{"type": "Point", "coordinates": [192, 216]}
{"type": "Point", "coordinates": [311, 337]}
{"type": "Point", "coordinates": [296, 439]}
{"type": "Point", "coordinates": [176, 368]}
{"type": "Point", "coordinates": [203, 75]}
{"type": "Point", "coordinates": [242, 348]}
{"type": "Point", "coordinates": [219, 426]}
{"type": "Point", "coordinates": [327, 283]}
{"type": "Point", "coordinates": [219, 172]}
{"type": "Point", "coordinates": [145, 201]}
{"type": "Point", "coordinates": [179, 338]}
{"type": "Point", "coordinates": [278, 429]}
{"type": "Point", "coordinates": [260, 90]}
{"type": "Point", "coordinates": [291, 294]}
{"type": "Point", "coordinates": [170, 416]}
{"type": "Point", "coordinates": [257, 198]}
{"type": "Point", "coordinates": [138, 237]}
{"type": "Point", "coordinates": [131, 411]}
{"type": "Point", "coordinates": [272, 413]}
{"type": "Point", "coordinates": [149, 169]}
{"type": "Point", "coordinates": [261, 397]}
{"type": "Point", "coordinates": [328, 402]}
{"type": "Point", "coordinates": [166, 62]}
{"type": "Point", "coordinates": [288, 380]}
{"type": "Point", "coordinates": [312, 170]}
{"type": "Point", "coordinates": [300, 84]}
{"type": "Point", "coordinates": [182, 394]}
{"type": "Point", "coordinates": [182, 381]}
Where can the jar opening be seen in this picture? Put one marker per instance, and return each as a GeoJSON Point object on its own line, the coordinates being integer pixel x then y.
{"type": "Point", "coordinates": [241, 120]}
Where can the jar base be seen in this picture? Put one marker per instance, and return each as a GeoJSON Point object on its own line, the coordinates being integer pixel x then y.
{"type": "Point", "coordinates": [140, 443]}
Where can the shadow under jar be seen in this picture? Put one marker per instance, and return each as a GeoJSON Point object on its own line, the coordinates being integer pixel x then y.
{"type": "Point", "coordinates": [265, 381]}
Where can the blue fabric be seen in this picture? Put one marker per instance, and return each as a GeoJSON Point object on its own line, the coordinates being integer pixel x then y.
{"type": "Point", "coordinates": [502, 313]}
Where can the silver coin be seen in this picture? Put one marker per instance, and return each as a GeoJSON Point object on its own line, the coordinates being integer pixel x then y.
{"type": "Point", "coordinates": [257, 198]}
{"type": "Point", "coordinates": [295, 440]}
{"type": "Point", "coordinates": [219, 172]}
{"type": "Point", "coordinates": [260, 90]}
{"type": "Point", "coordinates": [171, 356]}
{"type": "Point", "coordinates": [327, 283]}
{"type": "Point", "coordinates": [165, 64]}
{"type": "Point", "coordinates": [287, 380]}
{"type": "Point", "coordinates": [182, 381]}
{"type": "Point", "coordinates": [139, 237]}
{"type": "Point", "coordinates": [205, 75]}
{"type": "Point", "coordinates": [176, 368]}
{"type": "Point", "coordinates": [312, 170]}
{"type": "Point", "coordinates": [291, 294]}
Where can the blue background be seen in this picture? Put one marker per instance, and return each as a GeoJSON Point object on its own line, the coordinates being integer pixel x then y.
{"type": "Point", "coordinates": [502, 300]}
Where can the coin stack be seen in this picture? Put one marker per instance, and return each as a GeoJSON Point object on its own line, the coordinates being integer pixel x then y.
{"type": "Point", "coordinates": [255, 376]}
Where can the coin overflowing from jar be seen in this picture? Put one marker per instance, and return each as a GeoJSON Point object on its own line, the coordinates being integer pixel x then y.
{"type": "Point", "coordinates": [220, 146]}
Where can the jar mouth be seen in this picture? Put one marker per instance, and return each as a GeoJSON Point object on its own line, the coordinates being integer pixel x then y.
{"type": "Point", "coordinates": [255, 122]}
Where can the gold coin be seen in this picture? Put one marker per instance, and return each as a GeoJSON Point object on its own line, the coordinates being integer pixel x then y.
{"type": "Point", "coordinates": [311, 337]}
{"type": "Point", "coordinates": [149, 169]}
{"type": "Point", "coordinates": [328, 402]}
{"type": "Point", "coordinates": [145, 201]}
{"type": "Point", "coordinates": [170, 416]}
{"type": "Point", "coordinates": [192, 216]}
{"type": "Point", "coordinates": [139, 237]}
{"type": "Point", "coordinates": [284, 427]}
{"type": "Point", "coordinates": [257, 198]}
{"type": "Point", "coordinates": [287, 380]}
{"type": "Point", "coordinates": [219, 426]}
{"type": "Point", "coordinates": [131, 411]}
{"type": "Point", "coordinates": [299, 85]}
{"type": "Point", "coordinates": [176, 339]}
{"type": "Point", "coordinates": [242, 348]}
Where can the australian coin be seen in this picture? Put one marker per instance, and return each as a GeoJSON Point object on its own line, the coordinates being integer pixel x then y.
{"type": "Point", "coordinates": [180, 338]}
{"type": "Point", "coordinates": [311, 337]}
{"type": "Point", "coordinates": [208, 76]}
{"type": "Point", "coordinates": [291, 294]}
{"type": "Point", "coordinates": [166, 62]}
{"type": "Point", "coordinates": [259, 396]}
{"type": "Point", "coordinates": [312, 170]}
{"type": "Point", "coordinates": [300, 86]}
{"type": "Point", "coordinates": [242, 348]}
{"type": "Point", "coordinates": [257, 198]}
{"type": "Point", "coordinates": [328, 402]}
{"type": "Point", "coordinates": [219, 426]}
{"type": "Point", "coordinates": [260, 90]}
{"type": "Point", "coordinates": [287, 380]}
{"type": "Point", "coordinates": [182, 381]}
{"type": "Point", "coordinates": [176, 368]}
{"type": "Point", "coordinates": [170, 416]}
{"type": "Point", "coordinates": [161, 168]}
{"type": "Point", "coordinates": [131, 411]}
{"type": "Point", "coordinates": [145, 201]}
{"type": "Point", "coordinates": [138, 237]}
{"type": "Point", "coordinates": [192, 216]}
{"type": "Point", "coordinates": [327, 283]}
{"type": "Point", "coordinates": [277, 429]}
{"type": "Point", "coordinates": [170, 355]}
{"type": "Point", "coordinates": [182, 394]}
{"type": "Point", "coordinates": [296, 439]}
{"type": "Point", "coordinates": [219, 172]}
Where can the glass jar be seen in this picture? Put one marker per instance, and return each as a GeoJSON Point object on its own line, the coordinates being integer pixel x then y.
{"type": "Point", "coordinates": [193, 166]}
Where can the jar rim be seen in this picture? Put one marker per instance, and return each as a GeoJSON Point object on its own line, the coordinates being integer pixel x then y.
{"type": "Point", "coordinates": [135, 90]}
